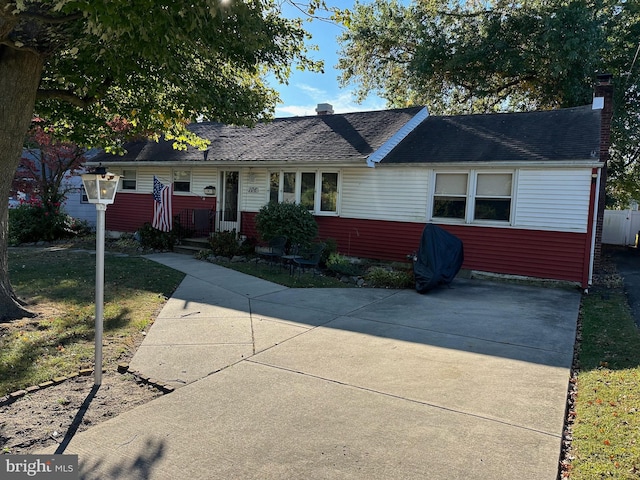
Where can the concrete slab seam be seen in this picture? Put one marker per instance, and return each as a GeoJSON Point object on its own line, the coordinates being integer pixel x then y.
{"type": "Point", "coordinates": [379, 300]}
{"type": "Point", "coordinates": [253, 333]}
{"type": "Point", "coordinates": [418, 402]}
{"type": "Point", "coordinates": [441, 332]}
{"type": "Point", "coordinates": [193, 344]}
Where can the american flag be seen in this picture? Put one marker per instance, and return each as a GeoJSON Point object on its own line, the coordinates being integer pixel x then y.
{"type": "Point", "coordinates": [162, 219]}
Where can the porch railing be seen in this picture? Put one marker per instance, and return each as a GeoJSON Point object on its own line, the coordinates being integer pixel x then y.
{"type": "Point", "coordinates": [201, 223]}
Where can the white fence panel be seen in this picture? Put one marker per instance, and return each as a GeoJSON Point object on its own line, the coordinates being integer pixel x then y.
{"type": "Point", "coordinates": [620, 227]}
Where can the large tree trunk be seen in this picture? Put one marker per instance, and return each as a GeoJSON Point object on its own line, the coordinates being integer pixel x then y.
{"type": "Point", "coordinates": [20, 72]}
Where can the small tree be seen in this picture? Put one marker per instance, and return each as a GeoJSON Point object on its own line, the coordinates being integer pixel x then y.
{"type": "Point", "coordinates": [293, 221]}
{"type": "Point", "coordinates": [45, 164]}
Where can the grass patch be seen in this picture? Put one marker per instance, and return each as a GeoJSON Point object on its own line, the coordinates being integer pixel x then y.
{"type": "Point", "coordinates": [606, 432]}
{"type": "Point", "coordinates": [282, 275]}
{"type": "Point", "coordinates": [60, 286]}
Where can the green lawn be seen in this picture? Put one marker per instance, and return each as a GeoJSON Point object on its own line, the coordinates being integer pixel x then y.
{"type": "Point", "coordinates": [606, 432]}
{"type": "Point", "coordinates": [60, 286]}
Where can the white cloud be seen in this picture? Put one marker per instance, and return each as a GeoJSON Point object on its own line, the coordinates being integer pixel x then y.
{"type": "Point", "coordinates": [310, 90]}
{"type": "Point", "coordinates": [342, 102]}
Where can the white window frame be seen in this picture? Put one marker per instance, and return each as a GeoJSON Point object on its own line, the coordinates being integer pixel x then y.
{"type": "Point", "coordinates": [123, 178]}
{"type": "Point", "coordinates": [432, 196]}
{"type": "Point", "coordinates": [317, 194]}
{"type": "Point", "coordinates": [472, 184]}
{"type": "Point", "coordinates": [173, 181]}
{"type": "Point", "coordinates": [475, 197]}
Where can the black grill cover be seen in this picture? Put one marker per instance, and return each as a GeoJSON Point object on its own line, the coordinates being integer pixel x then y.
{"type": "Point", "coordinates": [438, 260]}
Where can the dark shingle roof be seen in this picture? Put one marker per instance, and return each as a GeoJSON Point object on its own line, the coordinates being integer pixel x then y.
{"type": "Point", "coordinates": [566, 134]}
{"type": "Point", "coordinates": [556, 135]}
{"type": "Point", "coordinates": [345, 137]}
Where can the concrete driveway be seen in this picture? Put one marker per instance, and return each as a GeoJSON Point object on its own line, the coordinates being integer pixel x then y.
{"type": "Point", "coordinates": [467, 382]}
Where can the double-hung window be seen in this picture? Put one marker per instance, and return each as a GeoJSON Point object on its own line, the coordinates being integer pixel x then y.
{"type": "Point", "coordinates": [450, 195]}
{"type": "Point", "coordinates": [128, 180]}
{"type": "Point", "coordinates": [472, 196]}
{"type": "Point", "coordinates": [316, 191]}
{"type": "Point", "coordinates": [493, 197]}
{"type": "Point", "coordinates": [181, 181]}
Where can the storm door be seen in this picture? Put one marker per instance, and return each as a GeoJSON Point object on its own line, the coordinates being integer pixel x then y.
{"type": "Point", "coordinates": [228, 208]}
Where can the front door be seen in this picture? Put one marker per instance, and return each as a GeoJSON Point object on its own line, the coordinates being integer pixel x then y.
{"type": "Point", "coordinates": [228, 215]}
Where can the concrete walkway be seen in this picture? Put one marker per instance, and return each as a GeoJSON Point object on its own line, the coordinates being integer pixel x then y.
{"type": "Point", "coordinates": [467, 382]}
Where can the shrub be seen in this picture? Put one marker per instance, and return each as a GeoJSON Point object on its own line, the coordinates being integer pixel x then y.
{"type": "Point", "coordinates": [225, 244]}
{"type": "Point", "coordinates": [386, 278]}
{"type": "Point", "coordinates": [341, 265]}
{"type": "Point", "coordinates": [34, 221]}
{"type": "Point", "coordinates": [153, 238]}
{"type": "Point", "coordinates": [293, 221]}
{"type": "Point", "coordinates": [248, 246]}
{"type": "Point", "coordinates": [330, 247]}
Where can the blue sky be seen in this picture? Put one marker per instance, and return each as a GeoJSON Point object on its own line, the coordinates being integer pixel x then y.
{"type": "Point", "coordinates": [306, 90]}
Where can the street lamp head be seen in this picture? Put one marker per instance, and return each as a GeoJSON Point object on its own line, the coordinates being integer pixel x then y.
{"type": "Point", "coordinates": [100, 185]}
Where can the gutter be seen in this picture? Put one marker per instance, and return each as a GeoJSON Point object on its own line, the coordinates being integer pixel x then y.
{"type": "Point", "coordinates": [532, 165]}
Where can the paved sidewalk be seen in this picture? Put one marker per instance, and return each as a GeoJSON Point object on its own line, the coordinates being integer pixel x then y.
{"type": "Point", "coordinates": [466, 382]}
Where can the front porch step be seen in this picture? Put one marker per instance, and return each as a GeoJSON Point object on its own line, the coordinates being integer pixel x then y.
{"type": "Point", "coordinates": [191, 246]}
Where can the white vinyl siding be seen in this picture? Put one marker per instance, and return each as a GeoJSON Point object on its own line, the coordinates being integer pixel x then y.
{"type": "Point", "coordinates": [553, 199]}
{"type": "Point", "coordinates": [398, 194]}
{"type": "Point", "coordinates": [255, 189]}
{"type": "Point", "coordinates": [203, 177]}
{"type": "Point", "coordinates": [145, 178]}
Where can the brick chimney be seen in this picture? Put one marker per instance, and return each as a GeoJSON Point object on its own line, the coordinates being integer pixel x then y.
{"type": "Point", "coordinates": [324, 109]}
{"type": "Point", "coordinates": [603, 95]}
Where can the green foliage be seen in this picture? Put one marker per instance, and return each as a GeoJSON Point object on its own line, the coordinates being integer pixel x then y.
{"type": "Point", "coordinates": [330, 247]}
{"type": "Point", "coordinates": [288, 219]}
{"type": "Point", "coordinates": [225, 244]}
{"type": "Point", "coordinates": [342, 265]}
{"type": "Point", "coordinates": [482, 57]}
{"type": "Point", "coordinates": [463, 58]}
{"type": "Point", "coordinates": [388, 278]}
{"type": "Point", "coordinates": [153, 238]}
{"type": "Point", "coordinates": [118, 68]}
{"type": "Point", "coordinates": [282, 276]}
{"type": "Point", "coordinates": [36, 221]}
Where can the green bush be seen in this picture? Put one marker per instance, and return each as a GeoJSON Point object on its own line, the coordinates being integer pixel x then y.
{"type": "Point", "coordinates": [293, 221]}
{"type": "Point", "coordinates": [330, 247]}
{"type": "Point", "coordinates": [341, 265]}
{"type": "Point", "coordinates": [225, 244]}
{"type": "Point", "coordinates": [248, 246]}
{"type": "Point", "coordinates": [386, 278]}
{"type": "Point", "coordinates": [36, 221]}
{"type": "Point", "coordinates": [153, 238]}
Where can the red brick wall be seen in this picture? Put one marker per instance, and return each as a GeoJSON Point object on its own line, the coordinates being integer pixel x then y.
{"type": "Point", "coordinates": [604, 88]}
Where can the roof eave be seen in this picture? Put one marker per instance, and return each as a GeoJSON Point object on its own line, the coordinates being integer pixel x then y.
{"type": "Point", "coordinates": [590, 162]}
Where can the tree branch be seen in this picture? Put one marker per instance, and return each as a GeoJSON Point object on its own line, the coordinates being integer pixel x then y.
{"type": "Point", "coordinates": [66, 96]}
{"type": "Point", "coordinates": [49, 19]}
{"type": "Point", "coordinates": [478, 13]}
{"type": "Point", "coordinates": [17, 46]}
